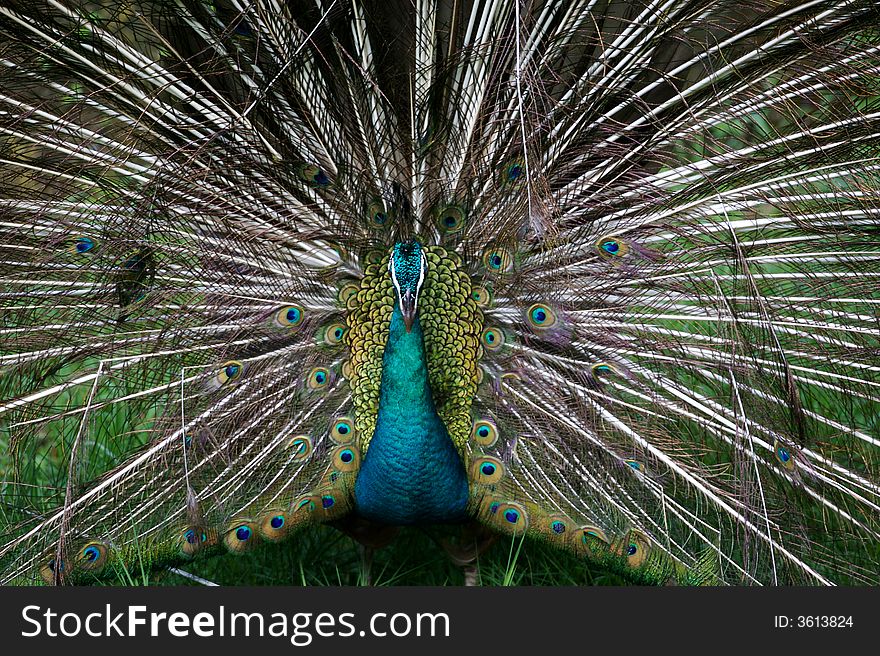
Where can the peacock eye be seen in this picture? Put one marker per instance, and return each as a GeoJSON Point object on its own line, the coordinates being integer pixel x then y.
{"type": "Point", "coordinates": [83, 245]}
{"type": "Point", "coordinates": [243, 533]}
{"type": "Point", "coordinates": [493, 339]}
{"type": "Point", "coordinates": [512, 518]}
{"type": "Point", "coordinates": [611, 247]}
{"type": "Point", "coordinates": [484, 432]}
{"type": "Point", "coordinates": [328, 501]}
{"type": "Point", "coordinates": [333, 334]}
{"type": "Point", "coordinates": [313, 175]}
{"type": "Point", "coordinates": [497, 260]}
{"type": "Point", "coordinates": [377, 214]}
{"type": "Point", "coordinates": [482, 296]}
{"type": "Point", "coordinates": [318, 378]}
{"type": "Point", "coordinates": [229, 372]}
{"type": "Point", "coordinates": [784, 455]}
{"type": "Point", "coordinates": [557, 527]}
{"type": "Point", "coordinates": [451, 219]}
{"type": "Point", "coordinates": [540, 316]}
{"type": "Point", "coordinates": [91, 554]}
{"type": "Point", "coordinates": [301, 446]}
{"type": "Point", "coordinates": [277, 522]}
{"type": "Point", "coordinates": [513, 173]}
{"type": "Point", "coordinates": [346, 456]}
{"type": "Point", "coordinates": [289, 316]}
{"type": "Point", "coordinates": [342, 431]}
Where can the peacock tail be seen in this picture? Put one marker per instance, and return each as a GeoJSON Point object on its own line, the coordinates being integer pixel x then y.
{"type": "Point", "coordinates": [642, 237]}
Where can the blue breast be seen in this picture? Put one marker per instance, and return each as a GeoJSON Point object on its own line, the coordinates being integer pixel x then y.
{"type": "Point", "coordinates": [412, 473]}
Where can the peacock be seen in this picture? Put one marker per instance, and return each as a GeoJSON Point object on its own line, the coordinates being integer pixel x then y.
{"type": "Point", "coordinates": [597, 275]}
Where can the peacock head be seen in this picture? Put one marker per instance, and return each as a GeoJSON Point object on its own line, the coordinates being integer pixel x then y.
{"type": "Point", "coordinates": [408, 265]}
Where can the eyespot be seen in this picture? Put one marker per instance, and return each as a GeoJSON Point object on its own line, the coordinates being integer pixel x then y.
{"type": "Point", "coordinates": [513, 173]}
{"type": "Point", "coordinates": [451, 219]}
{"type": "Point", "coordinates": [635, 464]}
{"type": "Point", "coordinates": [290, 316]}
{"type": "Point", "coordinates": [229, 372]}
{"type": "Point", "coordinates": [541, 317]}
{"type": "Point", "coordinates": [92, 556]}
{"type": "Point", "coordinates": [318, 378]}
{"type": "Point", "coordinates": [611, 247]}
{"type": "Point", "coordinates": [484, 432]}
{"type": "Point", "coordinates": [482, 296]}
{"type": "Point", "coordinates": [345, 458]}
{"type": "Point", "coordinates": [301, 446]}
{"type": "Point", "coordinates": [635, 548]}
{"type": "Point", "coordinates": [334, 333]}
{"type": "Point", "coordinates": [486, 470]}
{"type": "Point", "coordinates": [512, 518]}
{"type": "Point", "coordinates": [784, 455]}
{"type": "Point", "coordinates": [82, 245]}
{"type": "Point", "coordinates": [313, 175]}
{"type": "Point", "coordinates": [195, 538]}
{"type": "Point", "coordinates": [275, 525]}
{"type": "Point", "coordinates": [47, 569]}
{"type": "Point", "coordinates": [591, 540]}
{"type": "Point", "coordinates": [497, 260]}
{"type": "Point", "coordinates": [241, 536]}
{"type": "Point", "coordinates": [342, 430]}
{"type": "Point", "coordinates": [602, 369]}
{"type": "Point", "coordinates": [303, 507]}
{"type": "Point", "coordinates": [558, 527]}
{"type": "Point", "coordinates": [378, 215]}
{"type": "Point", "coordinates": [492, 338]}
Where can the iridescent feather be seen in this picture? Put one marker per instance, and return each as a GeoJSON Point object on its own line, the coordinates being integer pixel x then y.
{"type": "Point", "coordinates": [648, 314]}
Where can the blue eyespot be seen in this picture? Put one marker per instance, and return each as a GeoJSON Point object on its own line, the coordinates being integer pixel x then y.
{"type": "Point", "coordinates": [232, 370]}
{"type": "Point", "coordinates": [320, 178]}
{"type": "Point", "coordinates": [190, 536]}
{"type": "Point", "coordinates": [631, 550]}
{"type": "Point", "coordinates": [84, 245]}
{"type": "Point", "coordinates": [243, 533]}
{"type": "Point", "coordinates": [514, 172]}
{"type": "Point", "coordinates": [784, 454]}
{"type": "Point", "coordinates": [320, 377]}
{"type": "Point", "coordinates": [539, 315]}
{"type": "Point", "coordinates": [91, 554]}
{"type": "Point", "coordinates": [495, 261]}
{"type": "Point", "coordinates": [483, 431]}
{"type": "Point", "coordinates": [277, 522]}
{"type": "Point", "coordinates": [493, 507]}
{"type": "Point", "coordinates": [338, 333]}
{"type": "Point", "coordinates": [512, 516]}
{"type": "Point", "coordinates": [488, 469]}
{"type": "Point", "coordinates": [293, 315]}
{"type": "Point", "coordinates": [327, 501]}
{"type": "Point", "coordinates": [611, 247]}
{"type": "Point", "coordinates": [342, 430]}
{"type": "Point", "coordinates": [346, 456]}
{"type": "Point", "coordinates": [557, 527]}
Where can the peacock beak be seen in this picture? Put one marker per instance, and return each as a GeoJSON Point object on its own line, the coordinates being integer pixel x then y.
{"type": "Point", "coordinates": [408, 309]}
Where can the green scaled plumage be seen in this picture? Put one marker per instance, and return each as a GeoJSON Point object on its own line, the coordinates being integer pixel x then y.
{"type": "Point", "coordinates": [647, 303]}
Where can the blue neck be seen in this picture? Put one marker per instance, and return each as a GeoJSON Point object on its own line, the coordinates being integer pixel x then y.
{"type": "Point", "coordinates": [412, 473]}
